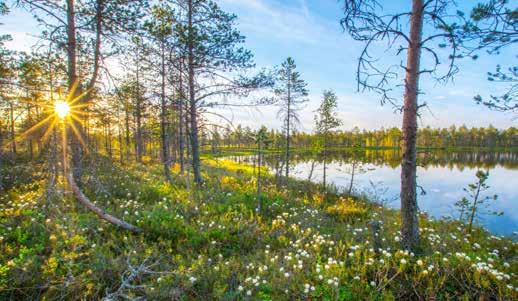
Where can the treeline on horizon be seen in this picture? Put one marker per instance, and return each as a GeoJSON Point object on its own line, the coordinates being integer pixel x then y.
{"type": "Point", "coordinates": [427, 137]}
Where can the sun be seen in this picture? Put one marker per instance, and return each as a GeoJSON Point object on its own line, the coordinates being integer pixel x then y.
{"type": "Point", "coordinates": [62, 109]}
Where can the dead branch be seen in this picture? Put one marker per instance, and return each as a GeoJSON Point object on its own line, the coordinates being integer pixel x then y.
{"type": "Point", "coordinates": [98, 211]}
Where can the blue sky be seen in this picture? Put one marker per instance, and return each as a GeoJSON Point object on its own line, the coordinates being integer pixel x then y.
{"type": "Point", "coordinates": [309, 31]}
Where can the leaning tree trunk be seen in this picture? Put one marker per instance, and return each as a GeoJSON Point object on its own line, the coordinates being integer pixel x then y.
{"type": "Point", "coordinates": [74, 88]}
{"type": "Point", "coordinates": [409, 219]}
{"type": "Point", "coordinates": [98, 211]}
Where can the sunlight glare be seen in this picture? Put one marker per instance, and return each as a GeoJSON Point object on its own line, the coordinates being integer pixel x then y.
{"type": "Point", "coordinates": [62, 109]}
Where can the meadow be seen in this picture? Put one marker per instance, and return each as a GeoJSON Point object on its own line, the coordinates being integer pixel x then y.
{"type": "Point", "coordinates": [226, 242]}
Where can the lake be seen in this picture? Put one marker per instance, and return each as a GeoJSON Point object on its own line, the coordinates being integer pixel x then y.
{"type": "Point", "coordinates": [442, 175]}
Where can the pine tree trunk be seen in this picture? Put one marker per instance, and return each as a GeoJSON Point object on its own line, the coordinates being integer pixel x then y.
{"type": "Point", "coordinates": [288, 130]}
{"type": "Point", "coordinates": [181, 140]}
{"type": "Point", "coordinates": [193, 106]}
{"type": "Point", "coordinates": [409, 218]}
{"type": "Point", "coordinates": [13, 134]}
{"type": "Point", "coordinates": [325, 166]}
{"type": "Point", "coordinates": [163, 117]}
{"type": "Point", "coordinates": [138, 113]}
{"type": "Point", "coordinates": [352, 178]}
{"type": "Point", "coordinates": [73, 89]}
{"type": "Point", "coordinates": [474, 208]}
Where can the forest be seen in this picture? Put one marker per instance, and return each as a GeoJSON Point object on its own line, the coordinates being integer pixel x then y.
{"type": "Point", "coordinates": [124, 174]}
{"type": "Point", "coordinates": [446, 138]}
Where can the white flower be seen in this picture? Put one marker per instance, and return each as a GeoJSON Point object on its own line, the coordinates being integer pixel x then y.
{"type": "Point", "coordinates": [249, 293]}
{"type": "Point", "coordinates": [403, 261]}
{"type": "Point", "coordinates": [357, 278]}
{"type": "Point", "coordinates": [192, 279]}
{"type": "Point", "coordinates": [373, 283]}
{"type": "Point", "coordinates": [420, 262]}
{"type": "Point", "coordinates": [240, 288]}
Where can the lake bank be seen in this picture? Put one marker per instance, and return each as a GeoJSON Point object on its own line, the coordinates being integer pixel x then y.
{"type": "Point", "coordinates": [441, 176]}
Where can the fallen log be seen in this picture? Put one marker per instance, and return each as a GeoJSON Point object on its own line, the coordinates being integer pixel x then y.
{"type": "Point", "coordinates": [98, 211]}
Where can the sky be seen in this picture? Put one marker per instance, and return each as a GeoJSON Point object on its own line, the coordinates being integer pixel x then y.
{"type": "Point", "coordinates": [310, 32]}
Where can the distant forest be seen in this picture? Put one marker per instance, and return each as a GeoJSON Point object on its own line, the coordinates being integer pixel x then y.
{"type": "Point", "coordinates": [452, 137]}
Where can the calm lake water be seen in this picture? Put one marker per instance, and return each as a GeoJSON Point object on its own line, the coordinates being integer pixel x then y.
{"type": "Point", "coordinates": [442, 176]}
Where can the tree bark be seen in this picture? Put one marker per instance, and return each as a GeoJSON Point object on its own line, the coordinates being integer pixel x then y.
{"type": "Point", "coordinates": [13, 134]}
{"type": "Point", "coordinates": [409, 218]}
{"type": "Point", "coordinates": [138, 112]}
{"type": "Point", "coordinates": [163, 117]}
{"type": "Point", "coordinates": [474, 208]}
{"type": "Point", "coordinates": [288, 128]}
{"type": "Point", "coordinates": [193, 105]}
{"type": "Point", "coordinates": [352, 178]}
{"type": "Point", "coordinates": [325, 166]}
{"type": "Point", "coordinates": [73, 87]}
{"type": "Point", "coordinates": [98, 211]}
{"type": "Point", "coordinates": [181, 140]}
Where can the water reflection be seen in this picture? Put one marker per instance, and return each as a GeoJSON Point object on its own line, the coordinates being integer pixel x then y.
{"type": "Point", "coordinates": [441, 174]}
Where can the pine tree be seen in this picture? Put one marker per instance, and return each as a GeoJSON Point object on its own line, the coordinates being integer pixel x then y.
{"type": "Point", "coordinates": [291, 94]}
{"type": "Point", "coordinates": [326, 120]}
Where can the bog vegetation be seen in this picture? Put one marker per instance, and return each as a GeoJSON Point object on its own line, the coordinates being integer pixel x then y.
{"type": "Point", "coordinates": [112, 184]}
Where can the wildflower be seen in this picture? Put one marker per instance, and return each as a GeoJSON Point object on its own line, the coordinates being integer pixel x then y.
{"type": "Point", "coordinates": [192, 279]}
{"type": "Point", "coordinates": [403, 261]}
{"type": "Point", "coordinates": [373, 283]}
{"type": "Point", "coordinates": [420, 263]}
{"type": "Point", "coordinates": [249, 293]}
{"type": "Point", "coordinates": [357, 278]}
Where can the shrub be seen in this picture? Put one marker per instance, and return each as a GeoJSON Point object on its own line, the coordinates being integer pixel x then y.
{"type": "Point", "coordinates": [347, 209]}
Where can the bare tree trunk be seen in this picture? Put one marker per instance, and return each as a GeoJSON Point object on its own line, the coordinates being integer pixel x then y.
{"type": "Point", "coordinates": [325, 166]}
{"type": "Point", "coordinates": [193, 106]}
{"type": "Point", "coordinates": [352, 178]}
{"type": "Point", "coordinates": [181, 136]}
{"type": "Point", "coordinates": [259, 162]}
{"type": "Point", "coordinates": [311, 170]}
{"type": "Point", "coordinates": [121, 144]}
{"type": "Point", "coordinates": [138, 112]}
{"type": "Point", "coordinates": [13, 134]}
{"type": "Point", "coordinates": [126, 129]}
{"type": "Point", "coordinates": [163, 118]}
{"type": "Point", "coordinates": [73, 87]}
{"type": "Point", "coordinates": [288, 130]}
{"type": "Point", "coordinates": [474, 208]}
{"type": "Point", "coordinates": [29, 139]}
{"type": "Point", "coordinates": [409, 218]}
{"type": "Point", "coordinates": [98, 211]}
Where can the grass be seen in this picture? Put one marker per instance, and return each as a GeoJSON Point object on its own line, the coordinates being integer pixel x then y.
{"type": "Point", "coordinates": [216, 243]}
